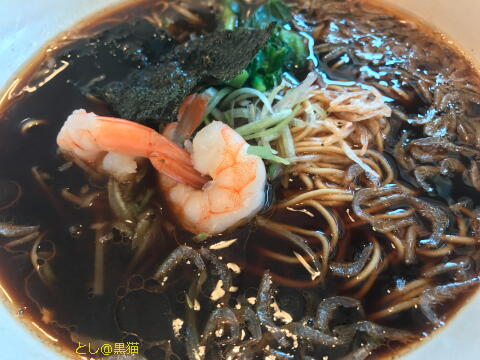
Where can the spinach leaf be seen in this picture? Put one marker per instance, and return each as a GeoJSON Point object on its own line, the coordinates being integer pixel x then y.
{"type": "Point", "coordinates": [284, 52]}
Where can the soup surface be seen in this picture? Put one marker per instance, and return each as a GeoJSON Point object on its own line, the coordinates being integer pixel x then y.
{"type": "Point", "coordinates": [367, 237]}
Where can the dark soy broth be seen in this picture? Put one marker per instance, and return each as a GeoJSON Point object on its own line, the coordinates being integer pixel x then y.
{"type": "Point", "coordinates": [354, 41]}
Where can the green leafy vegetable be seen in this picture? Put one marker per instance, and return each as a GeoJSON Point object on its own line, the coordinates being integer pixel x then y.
{"type": "Point", "coordinates": [239, 80]}
{"type": "Point", "coordinates": [296, 45]}
{"type": "Point", "coordinates": [284, 51]}
{"type": "Point", "coordinates": [266, 153]}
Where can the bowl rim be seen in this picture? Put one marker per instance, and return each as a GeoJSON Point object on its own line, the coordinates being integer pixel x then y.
{"type": "Point", "coordinates": [104, 8]}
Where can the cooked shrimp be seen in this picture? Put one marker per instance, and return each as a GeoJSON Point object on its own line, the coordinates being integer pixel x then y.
{"type": "Point", "coordinates": [190, 115]}
{"type": "Point", "coordinates": [115, 144]}
{"type": "Point", "coordinates": [236, 191]}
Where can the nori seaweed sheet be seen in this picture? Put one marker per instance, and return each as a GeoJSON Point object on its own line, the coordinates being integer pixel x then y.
{"type": "Point", "coordinates": [136, 44]}
{"type": "Point", "coordinates": [153, 94]}
{"type": "Point", "coordinates": [138, 41]}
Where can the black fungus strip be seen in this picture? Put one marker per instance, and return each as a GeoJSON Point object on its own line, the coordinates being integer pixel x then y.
{"type": "Point", "coordinates": [347, 270]}
{"type": "Point", "coordinates": [327, 308]}
{"type": "Point", "coordinates": [179, 255]}
{"type": "Point", "coordinates": [315, 336]}
{"type": "Point", "coordinates": [441, 294]}
{"type": "Point", "coordinates": [264, 309]}
{"type": "Point", "coordinates": [221, 317]}
{"type": "Point", "coordinates": [221, 269]}
{"type": "Point", "coordinates": [383, 332]}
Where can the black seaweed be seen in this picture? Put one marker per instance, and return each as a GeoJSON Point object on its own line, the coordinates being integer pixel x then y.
{"type": "Point", "coordinates": [150, 94]}
{"type": "Point", "coordinates": [223, 54]}
{"type": "Point", "coordinates": [155, 92]}
{"type": "Point", "coordinates": [137, 43]}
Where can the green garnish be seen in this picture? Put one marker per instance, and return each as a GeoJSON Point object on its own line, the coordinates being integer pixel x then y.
{"type": "Point", "coordinates": [272, 133]}
{"type": "Point", "coordinates": [274, 171]}
{"type": "Point", "coordinates": [256, 127]}
{"type": "Point", "coordinates": [258, 83]}
{"type": "Point", "coordinates": [284, 51]}
{"type": "Point", "coordinates": [200, 237]}
{"type": "Point", "coordinates": [267, 153]}
{"type": "Point", "coordinates": [239, 80]}
{"type": "Point", "coordinates": [140, 205]}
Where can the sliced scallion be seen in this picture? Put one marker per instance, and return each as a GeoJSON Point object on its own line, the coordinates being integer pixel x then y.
{"type": "Point", "coordinates": [261, 125]}
{"type": "Point", "coordinates": [266, 154]}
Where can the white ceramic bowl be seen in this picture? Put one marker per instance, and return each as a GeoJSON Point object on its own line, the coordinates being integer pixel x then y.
{"type": "Point", "coordinates": [26, 25]}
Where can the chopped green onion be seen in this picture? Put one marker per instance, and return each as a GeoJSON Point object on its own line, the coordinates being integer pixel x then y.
{"type": "Point", "coordinates": [274, 171]}
{"type": "Point", "coordinates": [260, 125]}
{"type": "Point", "coordinates": [239, 80]}
{"type": "Point", "coordinates": [245, 93]}
{"type": "Point", "coordinates": [200, 237]}
{"type": "Point", "coordinates": [266, 154]}
{"type": "Point", "coordinates": [288, 145]}
{"type": "Point", "coordinates": [217, 115]}
{"type": "Point", "coordinates": [139, 206]}
{"type": "Point", "coordinates": [242, 113]}
{"type": "Point", "coordinates": [296, 122]}
{"type": "Point", "coordinates": [321, 113]}
{"type": "Point", "coordinates": [235, 113]}
{"type": "Point", "coordinates": [272, 133]}
{"type": "Point", "coordinates": [252, 113]}
{"type": "Point", "coordinates": [228, 118]}
{"type": "Point", "coordinates": [214, 100]}
{"type": "Point", "coordinates": [259, 84]}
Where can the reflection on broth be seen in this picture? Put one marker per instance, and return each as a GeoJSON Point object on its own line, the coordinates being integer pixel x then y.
{"type": "Point", "coordinates": [218, 180]}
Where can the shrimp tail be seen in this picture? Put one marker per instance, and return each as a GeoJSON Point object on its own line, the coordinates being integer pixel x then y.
{"type": "Point", "coordinates": [166, 156]}
{"type": "Point", "coordinates": [91, 137]}
{"type": "Point", "coordinates": [189, 117]}
{"type": "Point", "coordinates": [134, 138]}
{"type": "Point", "coordinates": [180, 172]}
